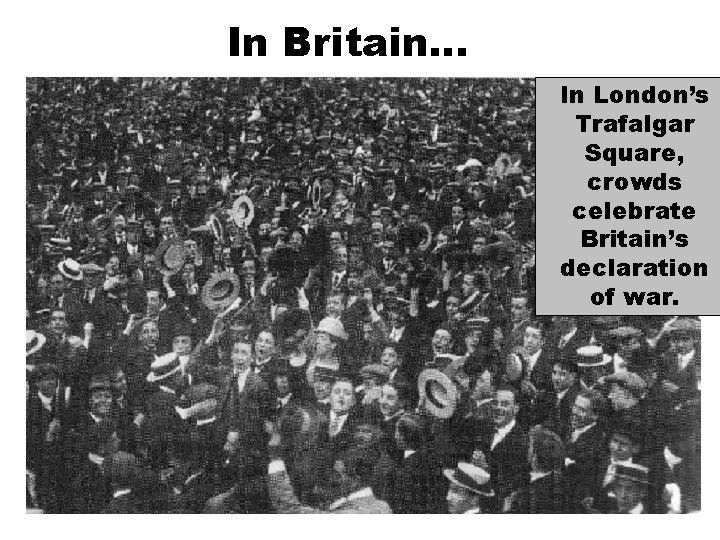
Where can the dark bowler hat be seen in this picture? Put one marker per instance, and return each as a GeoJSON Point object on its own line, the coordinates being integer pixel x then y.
{"type": "Point", "coordinates": [170, 256]}
{"type": "Point", "coordinates": [221, 290]}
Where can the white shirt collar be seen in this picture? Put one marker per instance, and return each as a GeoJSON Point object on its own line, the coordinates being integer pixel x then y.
{"type": "Point", "coordinates": [242, 379]}
{"type": "Point", "coordinates": [96, 459]}
{"type": "Point", "coordinates": [501, 433]}
{"type": "Point", "coordinates": [638, 509]}
{"type": "Point", "coordinates": [167, 389]}
{"type": "Point", "coordinates": [576, 433]}
{"type": "Point", "coordinates": [364, 492]}
{"type": "Point", "coordinates": [685, 359]}
{"type": "Point", "coordinates": [408, 453]}
{"type": "Point", "coordinates": [535, 476]}
{"type": "Point", "coordinates": [121, 492]}
{"type": "Point", "coordinates": [46, 401]}
{"type": "Point", "coordinates": [562, 394]}
{"type": "Point", "coordinates": [532, 360]}
{"type": "Point", "coordinates": [206, 421]}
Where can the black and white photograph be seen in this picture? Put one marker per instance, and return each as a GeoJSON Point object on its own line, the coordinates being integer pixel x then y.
{"type": "Point", "coordinates": [317, 295]}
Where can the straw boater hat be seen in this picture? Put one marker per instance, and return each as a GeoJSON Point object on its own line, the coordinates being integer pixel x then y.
{"type": "Point", "coordinates": [438, 392]}
{"type": "Point", "coordinates": [198, 403]}
{"type": "Point", "coordinates": [633, 472]}
{"type": "Point", "coordinates": [163, 367]}
{"type": "Point", "coordinates": [170, 256]}
{"type": "Point", "coordinates": [332, 327]}
{"type": "Point", "coordinates": [70, 269]}
{"type": "Point", "coordinates": [470, 477]}
{"type": "Point", "coordinates": [591, 356]}
{"type": "Point", "coordinates": [243, 211]}
{"type": "Point", "coordinates": [221, 290]}
{"type": "Point", "coordinates": [34, 341]}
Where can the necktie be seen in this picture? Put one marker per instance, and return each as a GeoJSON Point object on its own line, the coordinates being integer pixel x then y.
{"type": "Point", "coordinates": [336, 281]}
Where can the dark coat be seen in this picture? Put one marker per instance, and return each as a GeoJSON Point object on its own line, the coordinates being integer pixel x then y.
{"type": "Point", "coordinates": [418, 485]}
{"type": "Point", "coordinates": [508, 462]}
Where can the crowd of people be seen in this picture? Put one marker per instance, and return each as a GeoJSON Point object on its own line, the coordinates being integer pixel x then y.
{"type": "Point", "coordinates": [316, 296]}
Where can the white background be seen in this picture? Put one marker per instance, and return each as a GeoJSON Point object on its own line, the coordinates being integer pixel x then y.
{"type": "Point", "coordinates": [180, 38]}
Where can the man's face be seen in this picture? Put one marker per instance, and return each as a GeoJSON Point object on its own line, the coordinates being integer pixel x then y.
{"type": "Point", "coordinates": [264, 345]}
{"type": "Point", "coordinates": [339, 259]}
{"type": "Point", "coordinates": [57, 285]}
{"type": "Point", "coordinates": [621, 447]}
{"type": "Point", "coordinates": [101, 402]}
{"type": "Point", "coordinates": [321, 389]}
{"type": "Point", "coordinates": [582, 413]}
{"type": "Point", "coordinates": [167, 226]}
{"type": "Point", "coordinates": [681, 344]}
{"type": "Point", "coordinates": [153, 303]}
{"type": "Point", "coordinates": [334, 306]}
{"type": "Point", "coordinates": [389, 358]}
{"type": "Point", "coordinates": [478, 245]}
{"type": "Point", "coordinates": [562, 379]}
{"type": "Point", "coordinates": [149, 335]}
{"type": "Point", "coordinates": [241, 356]}
{"type": "Point", "coordinates": [505, 408]}
{"type": "Point", "coordinates": [58, 323]}
{"type": "Point", "coordinates": [389, 187]}
{"type": "Point", "coordinates": [232, 443]}
{"type": "Point", "coordinates": [376, 232]}
{"type": "Point", "coordinates": [621, 398]}
{"type": "Point", "coordinates": [532, 340]}
{"type": "Point", "coordinates": [468, 285]}
{"type": "Point", "coordinates": [48, 385]}
{"type": "Point", "coordinates": [452, 305]}
{"type": "Point", "coordinates": [282, 385]}
{"type": "Point", "coordinates": [248, 270]}
{"type": "Point", "coordinates": [182, 345]}
{"type": "Point", "coordinates": [457, 214]}
{"type": "Point", "coordinates": [324, 345]}
{"type": "Point", "coordinates": [628, 494]}
{"type": "Point", "coordinates": [119, 382]}
{"type": "Point", "coordinates": [472, 339]}
{"type": "Point", "coordinates": [119, 224]}
{"type": "Point", "coordinates": [342, 397]}
{"type": "Point", "coordinates": [296, 240]}
{"type": "Point", "coordinates": [389, 401]}
{"type": "Point", "coordinates": [627, 346]}
{"type": "Point", "coordinates": [441, 341]}
{"type": "Point", "coordinates": [459, 500]}
{"type": "Point", "coordinates": [518, 309]}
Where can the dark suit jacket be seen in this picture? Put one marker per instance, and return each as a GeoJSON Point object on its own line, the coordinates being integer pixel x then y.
{"type": "Point", "coordinates": [586, 454]}
{"type": "Point", "coordinates": [547, 495]}
{"type": "Point", "coordinates": [284, 500]}
{"type": "Point", "coordinates": [418, 485]}
{"type": "Point", "coordinates": [508, 461]}
{"type": "Point", "coordinates": [124, 504]}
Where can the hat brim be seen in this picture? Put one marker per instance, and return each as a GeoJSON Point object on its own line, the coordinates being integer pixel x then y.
{"type": "Point", "coordinates": [39, 345]}
{"type": "Point", "coordinates": [451, 475]}
{"type": "Point", "coordinates": [77, 277]}
{"type": "Point", "coordinates": [162, 249]}
{"type": "Point", "coordinates": [214, 303]}
{"type": "Point", "coordinates": [440, 409]}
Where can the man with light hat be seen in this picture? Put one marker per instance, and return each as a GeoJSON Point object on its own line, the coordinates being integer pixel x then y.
{"type": "Point", "coordinates": [627, 339]}
{"type": "Point", "coordinates": [630, 488]}
{"type": "Point", "coordinates": [593, 364]}
{"type": "Point", "coordinates": [469, 485]}
{"type": "Point", "coordinates": [680, 367]}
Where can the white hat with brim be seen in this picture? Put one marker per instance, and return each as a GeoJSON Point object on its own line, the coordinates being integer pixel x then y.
{"type": "Point", "coordinates": [163, 367]}
{"type": "Point", "coordinates": [438, 392]}
{"type": "Point", "coordinates": [70, 269]}
{"type": "Point", "coordinates": [34, 341]}
{"type": "Point", "coordinates": [470, 477]}
{"type": "Point", "coordinates": [332, 327]}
